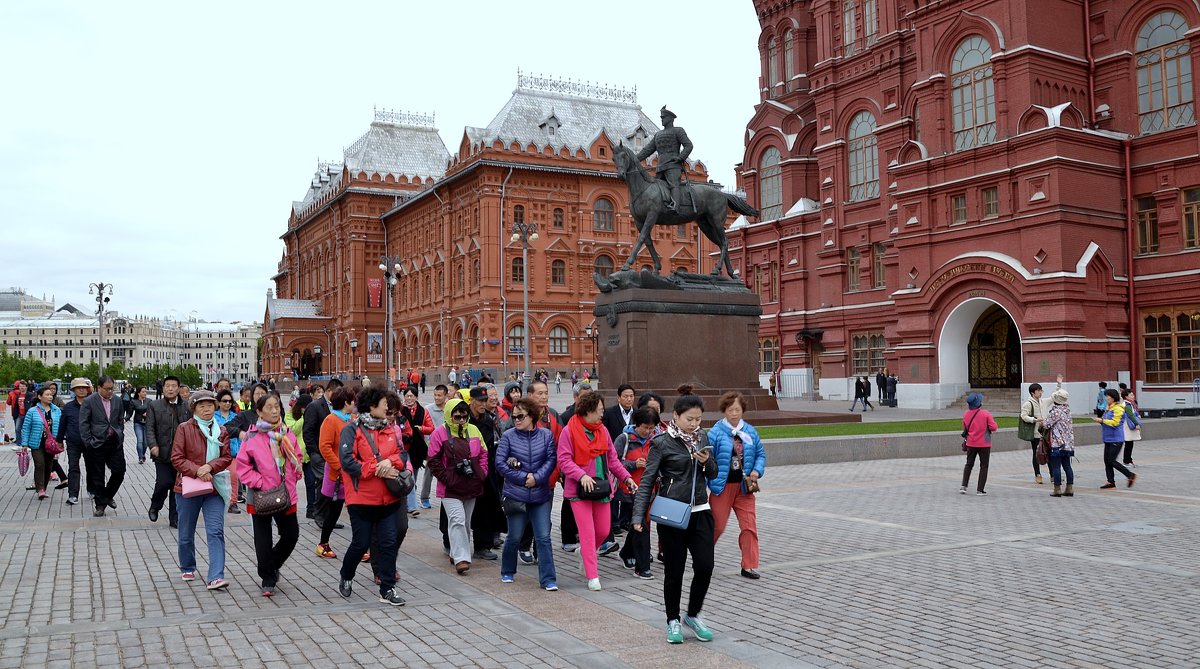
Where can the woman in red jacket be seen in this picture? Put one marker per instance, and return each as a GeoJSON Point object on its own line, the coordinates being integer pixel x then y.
{"type": "Point", "coordinates": [371, 453]}
{"type": "Point", "coordinates": [978, 425]}
{"type": "Point", "coordinates": [271, 455]}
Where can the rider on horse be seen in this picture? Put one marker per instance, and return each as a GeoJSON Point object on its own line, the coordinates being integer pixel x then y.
{"type": "Point", "coordinates": [673, 147]}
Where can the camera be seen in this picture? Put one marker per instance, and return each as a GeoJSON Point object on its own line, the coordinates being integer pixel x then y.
{"type": "Point", "coordinates": [465, 468]}
{"type": "Point", "coordinates": [513, 463]}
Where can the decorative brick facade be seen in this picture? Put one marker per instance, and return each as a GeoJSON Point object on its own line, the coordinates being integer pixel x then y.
{"type": "Point", "coordinates": [955, 190]}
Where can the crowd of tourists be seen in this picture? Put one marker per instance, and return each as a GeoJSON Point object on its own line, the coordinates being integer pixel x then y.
{"type": "Point", "coordinates": [492, 458]}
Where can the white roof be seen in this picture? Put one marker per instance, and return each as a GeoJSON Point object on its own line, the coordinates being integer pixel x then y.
{"type": "Point", "coordinates": [277, 308]}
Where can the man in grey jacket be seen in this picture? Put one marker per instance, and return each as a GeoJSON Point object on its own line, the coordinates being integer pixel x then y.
{"type": "Point", "coordinates": [163, 418]}
{"type": "Point", "coordinates": [102, 428]}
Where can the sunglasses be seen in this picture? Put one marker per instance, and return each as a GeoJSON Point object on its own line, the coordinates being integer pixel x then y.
{"type": "Point", "coordinates": [226, 401]}
{"type": "Point", "coordinates": [458, 416]}
{"type": "Point", "coordinates": [518, 417]}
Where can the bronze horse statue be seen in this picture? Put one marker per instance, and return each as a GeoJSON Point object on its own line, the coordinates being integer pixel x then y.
{"type": "Point", "coordinates": [707, 206]}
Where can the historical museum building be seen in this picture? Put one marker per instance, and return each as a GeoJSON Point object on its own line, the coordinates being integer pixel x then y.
{"type": "Point", "coordinates": [976, 194]}
{"type": "Point", "coordinates": [441, 226]}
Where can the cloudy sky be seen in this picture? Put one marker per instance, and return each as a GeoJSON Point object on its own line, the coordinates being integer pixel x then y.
{"type": "Point", "coordinates": [159, 145]}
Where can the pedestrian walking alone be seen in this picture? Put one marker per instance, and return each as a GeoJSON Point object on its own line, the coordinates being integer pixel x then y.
{"type": "Point", "coordinates": [1112, 433]}
{"type": "Point", "coordinates": [269, 463]}
{"type": "Point", "coordinates": [978, 426]}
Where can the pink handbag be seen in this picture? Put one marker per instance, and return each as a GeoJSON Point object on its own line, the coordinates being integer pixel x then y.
{"type": "Point", "coordinates": [194, 487]}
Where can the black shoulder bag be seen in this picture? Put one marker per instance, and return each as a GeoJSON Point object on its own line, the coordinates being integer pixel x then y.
{"type": "Point", "coordinates": [402, 484]}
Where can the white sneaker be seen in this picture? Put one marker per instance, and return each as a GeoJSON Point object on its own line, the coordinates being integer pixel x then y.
{"type": "Point", "coordinates": [962, 490]}
{"type": "Point", "coordinates": [570, 548]}
{"type": "Point", "coordinates": [593, 584]}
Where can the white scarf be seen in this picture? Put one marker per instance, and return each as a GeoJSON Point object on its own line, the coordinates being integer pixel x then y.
{"type": "Point", "coordinates": [738, 431]}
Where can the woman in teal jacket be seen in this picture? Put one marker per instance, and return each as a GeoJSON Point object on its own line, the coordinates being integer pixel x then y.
{"type": "Point", "coordinates": [33, 433]}
{"type": "Point", "coordinates": [741, 460]}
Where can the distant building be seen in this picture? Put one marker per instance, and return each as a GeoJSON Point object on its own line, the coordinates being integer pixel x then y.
{"type": "Point", "coordinates": [70, 335]}
{"type": "Point", "coordinates": [545, 158]}
{"type": "Point", "coordinates": [975, 197]}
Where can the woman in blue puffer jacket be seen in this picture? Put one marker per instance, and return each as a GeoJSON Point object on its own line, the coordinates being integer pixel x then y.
{"type": "Point", "coordinates": [741, 460]}
{"type": "Point", "coordinates": [526, 457]}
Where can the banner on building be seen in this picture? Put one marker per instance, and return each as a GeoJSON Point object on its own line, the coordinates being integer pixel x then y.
{"type": "Point", "coordinates": [374, 347]}
{"type": "Point", "coordinates": [374, 293]}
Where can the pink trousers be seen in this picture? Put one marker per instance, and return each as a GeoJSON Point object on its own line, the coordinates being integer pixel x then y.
{"type": "Point", "coordinates": [593, 520]}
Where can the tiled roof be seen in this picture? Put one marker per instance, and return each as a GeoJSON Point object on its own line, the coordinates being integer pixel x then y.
{"type": "Point", "coordinates": [277, 308]}
{"type": "Point", "coordinates": [551, 112]}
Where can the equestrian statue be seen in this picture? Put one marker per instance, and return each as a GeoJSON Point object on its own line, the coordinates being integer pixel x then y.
{"type": "Point", "coordinates": [664, 200]}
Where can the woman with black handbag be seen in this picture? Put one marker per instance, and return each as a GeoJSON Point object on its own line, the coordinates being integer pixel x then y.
{"type": "Point", "coordinates": [373, 460]}
{"type": "Point", "coordinates": [526, 457]}
{"type": "Point", "coordinates": [676, 461]}
{"type": "Point", "coordinates": [590, 465]}
{"type": "Point", "coordinates": [270, 463]}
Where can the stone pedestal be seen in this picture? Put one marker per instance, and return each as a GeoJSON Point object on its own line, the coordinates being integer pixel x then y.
{"type": "Point", "coordinates": [659, 339]}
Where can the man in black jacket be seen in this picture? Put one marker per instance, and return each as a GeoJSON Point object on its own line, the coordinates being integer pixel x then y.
{"type": "Point", "coordinates": [72, 439]}
{"type": "Point", "coordinates": [617, 416]}
{"type": "Point", "coordinates": [163, 418]}
{"type": "Point", "coordinates": [314, 415]}
{"type": "Point", "coordinates": [488, 518]}
{"type": "Point", "coordinates": [102, 428]}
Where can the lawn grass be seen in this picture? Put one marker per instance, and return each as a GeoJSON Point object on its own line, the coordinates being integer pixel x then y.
{"type": "Point", "coordinates": [896, 427]}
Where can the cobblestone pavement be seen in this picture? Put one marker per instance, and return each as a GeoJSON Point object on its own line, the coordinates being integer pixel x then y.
{"type": "Point", "coordinates": [874, 564]}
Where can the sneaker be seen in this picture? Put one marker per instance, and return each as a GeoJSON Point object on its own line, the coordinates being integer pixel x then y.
{"type": "Point", "coordinates": [1106, 486]}
{"type": "Point", "coordinates": [506, 578]}
{"type": "Point", "coordinates": [345, 587]}
{"type": "Point", "coordinates": [233, 508]}
{"type": "Point", "coordinates": [268, 591]}
{"type": "Point", "coordinates": [391, 597]}
{"type": "Point", "coordinates": [310, 514]}
{"type": "Point", "coordinates": [645, 574]}
{"type": "Point", "coordinates": [674, 632]}
{"type": "Point", "coordinates": [485, 554]}
{"type": "Point", "coordinates": [570, 548]}
{"type": "Point", "coordinates": [526, 557]}
{"type": "Point", "coordinates": [980, 493]}
{"type": "Point", "coordinates": [630, 563]}
{"type": "Point", "coordinates": [697, 624]}
{"type": "Point", "coordinates": [188, 576]}
{"type": "Point", "coordinates": [218, 584]}
{"type": "Point", "coordinates": [962, 490]}
{"type": "Point", "coordinates": [72, 501]}
{"type": "Point", "coordinates": [551, 587]}
{"type": "Point", "coordinates": [325, 551]}
{"type": "Point", "coordinates": [241, 499]}
{"type": "Point", "coordinates": [1130, 464]}
{"type": "Point", "coordinates": [593, 584]}
{"type": "Point", "coordinates": [426, 505]}
{"type": "Point", "coordinates": [608, 547]}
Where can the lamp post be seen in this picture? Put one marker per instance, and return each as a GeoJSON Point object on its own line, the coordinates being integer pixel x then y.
{"type": "Point", "coordinates": [329, 345]}
{"type": "Point", "coordinates": [525, 233]}
{"type": "Point", "coordinates": [353, 356]}
{"type": "Point", "coordinates": [317, 354]}
{"type": "Point", "coordinates": [98, 289]}
{"type": "Point", "coordinates": [390, 266]}
{"type": "Point", "coordinates": [594, 335]}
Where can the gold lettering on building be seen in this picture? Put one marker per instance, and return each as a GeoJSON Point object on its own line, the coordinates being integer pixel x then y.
{"type": "Point", "coordinates": [995, 271]}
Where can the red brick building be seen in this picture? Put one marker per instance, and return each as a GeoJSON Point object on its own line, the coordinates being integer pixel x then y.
{"type": "Point", "coordinates": [546, 158]}
{"type": "Point", "coordinates": [961, 192]}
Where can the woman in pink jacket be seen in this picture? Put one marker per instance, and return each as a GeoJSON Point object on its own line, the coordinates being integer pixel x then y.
{"type": "Point", "coordinates": [590, 465]}
{"type": "Point", "coordinates": [978, 425]}
{"type": "Point", "coordinates": [269, 454]}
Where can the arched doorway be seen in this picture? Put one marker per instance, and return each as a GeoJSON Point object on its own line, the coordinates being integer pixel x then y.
{"type": "Point", "coordinates": [994, 351]}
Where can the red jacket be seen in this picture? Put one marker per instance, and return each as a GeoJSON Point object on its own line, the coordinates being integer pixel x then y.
{"type": "Point", "coordinates": [358, 464]}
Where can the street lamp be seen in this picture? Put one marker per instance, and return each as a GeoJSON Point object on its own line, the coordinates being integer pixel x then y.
{"type": "Point", "coordinates": [328, 340]}
{"type": "Point", "coordinates": [353, 356]}
{"type": "Point", "coordinates": [98, 289]}
{"type": "Point", "coordinates": [390, 266]}
{"type": "Point", "coordinates": [525, 233]}
{"type": "Point", "coordinates": [594, 335]}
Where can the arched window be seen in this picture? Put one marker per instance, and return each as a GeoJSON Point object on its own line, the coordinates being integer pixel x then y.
{"type": "Point", "coordinates": [768, 355]}
{"type": "Point", "coordinates": [558, 273]}
{"type": "Point", "coordinates": [558, 340]}
{"type": "Point", "coordinates": [973, 94]}
{"type": "Point", "coordinates": [604, 265]}
{"type": "Point", "coordinates": [770, 185]}
{"type": "Point", "coordinates": [518, 214]}
{"type": "Point", "coordinates": [602, 215]}
{"type": "Point", "coordinates": [475, 273]}
{"type": "Point", "coordinates": [518, 269]}
{"type": "Point", "coordinates": [458, 278]}
{"type": "Point", "coordinates": [864, 158]}
{"type": "Point", "coordinates": [460, 344]}
{"type": "Point", "coordinates": [1164, 70]}
{"type": "Point", "coordinates": [516, 339]}
{"type": "Point", "coordinates": [789, 58]}
{"type": "Point", "coordinates": [772, 63]}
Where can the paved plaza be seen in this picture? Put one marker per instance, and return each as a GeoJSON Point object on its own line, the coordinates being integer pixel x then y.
{"type": "Point", "coordinates": [874, 564]}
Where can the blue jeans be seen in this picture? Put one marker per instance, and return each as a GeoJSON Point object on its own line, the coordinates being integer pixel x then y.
{"type": "Point", "coordinates": [1061, 458]}
{"type": "Point", "coordinates": [539, 516]}
{"type": "Point", "coordinates": [139, 430]}
{"type": "Point", "coordinates": [20, 420]}
{"type": "Point", "coordinates": [190, 509]}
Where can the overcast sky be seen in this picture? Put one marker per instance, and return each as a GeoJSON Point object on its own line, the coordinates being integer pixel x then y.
{"type": "Point", "coordinates": [159, 145]}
